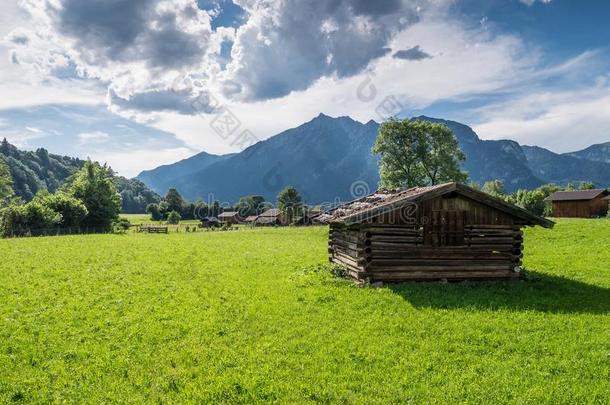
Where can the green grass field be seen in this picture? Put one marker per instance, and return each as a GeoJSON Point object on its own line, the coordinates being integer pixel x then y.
{"type": "Point", "coordinates": [254, 316]}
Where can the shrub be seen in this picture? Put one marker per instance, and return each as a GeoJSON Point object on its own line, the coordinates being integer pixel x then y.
{"type": "Point", "coordinates": [173, 218]}
{"type": "Point", "coordinates": [17, 219]}
{"type": "Point", "coordinates": [72, 211]}
{"type": "Point", "coordinates": [122, 225]}
{"type": "Point", "coordinates": [155, 213]}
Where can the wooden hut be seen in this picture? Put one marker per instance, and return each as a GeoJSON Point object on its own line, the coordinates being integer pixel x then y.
{"type": "Point", "coordinates": [230, 217]}
{"type": "Point", "coordinates": [579, 204]}
{"type": "Point", "coordinates": [449, 231]}
{"type": "Point", "coordinates": [271, 217]}
{"type": "Point", "coordinates": [251, 219]}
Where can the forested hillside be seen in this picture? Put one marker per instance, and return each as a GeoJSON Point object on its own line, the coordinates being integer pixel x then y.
{"type": "Point", "coordinates": [34, 171]}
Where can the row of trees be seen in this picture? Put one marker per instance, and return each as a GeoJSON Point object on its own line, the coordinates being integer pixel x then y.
{"type": "Point", "coordinates": [173, 207]}
{"type": "Point", "coordinates": [89, 199]}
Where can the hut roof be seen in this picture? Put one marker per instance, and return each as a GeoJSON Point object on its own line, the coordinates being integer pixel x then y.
{"type": "Point", "coordinates": [265, 220]}
{"type": "Point", "coordinates": [228, 214]}
{"type": "Point", "coordinates": [580, 195]}
{"type": "Point", "coordinates": [270, 213]}
{"type": "Point", "coordinates": [383, 201]}
{"type": "Point", "coordinates": [251, 218]}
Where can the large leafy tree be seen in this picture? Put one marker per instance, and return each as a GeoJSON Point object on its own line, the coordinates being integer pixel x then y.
{"type": "Point", "coordinates": [251, 205]}
{"type": "Point", "coordinates": [290, 203]}
{"type": "Point", "coordinates": [417, 153]}
{"type": "Point", "coordinates": [95, 187]}
{"type": "Point", "coordinates": [174, 200]}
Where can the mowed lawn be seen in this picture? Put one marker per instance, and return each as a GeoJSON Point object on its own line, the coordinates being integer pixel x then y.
{"type": "Point", "coordinates": [254, 316]}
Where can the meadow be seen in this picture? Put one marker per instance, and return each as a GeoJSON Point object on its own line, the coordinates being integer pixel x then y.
{"type": "Point", "coordinates": [256, 315]}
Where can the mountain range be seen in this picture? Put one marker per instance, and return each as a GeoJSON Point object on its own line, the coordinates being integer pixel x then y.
{"type": "Point", "coordinates": [330, 159]}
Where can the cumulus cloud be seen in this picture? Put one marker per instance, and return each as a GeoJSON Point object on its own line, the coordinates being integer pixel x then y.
{"type": "Point", "coordinates": [136, 47]}
{"type": "Point", "coordinates": [291, 44]}
{"type": "Point", "coordinates": [415, 53]}
{"type": "Point", "coordinates": [266, 48]}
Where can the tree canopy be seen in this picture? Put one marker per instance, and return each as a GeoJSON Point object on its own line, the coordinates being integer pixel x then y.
{"type": "Point", "coordinates": [417, 153]}
{"type": "Point", "coordinates": [290, 203]}
{"type": "Point", "coordinates": [95, 187]}
{"type": "Point", "coordinates": [251, 205]}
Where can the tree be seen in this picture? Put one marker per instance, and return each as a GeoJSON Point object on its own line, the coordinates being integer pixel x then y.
{"type": "Point", "coordinates": [289, 202]}
{"type": "Point", "coordinates": [5, 147]}
{"type": "Point", "coordinates": [533, 201]}
{"type": "Point", "coordinates": [214, 210]}
{"type": "Point", "coordinates": [153, 210]}
{"type": "Point", "coordinates": [417, 153]}
{"type": "Point", "coordinates": [586, 185]}
{"type": "Point", "coordinates": [494, 188]}
{"type": "Point", "coordinates": [95, 187]}
{"type": "Point", "coordinates": [174, 200]}
{"type": "Point", "coordinates": [6, 183]}
{"type": "Point", "coordinates": [250, 205]}
{"type": "Point", "coordinates": [173, 218]}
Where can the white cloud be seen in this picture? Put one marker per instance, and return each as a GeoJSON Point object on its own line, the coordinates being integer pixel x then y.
{"type": "Point", "coordinates": [562, 121]}
{"type": "Point", "coordinates": [467, 62]}
{"type": "Point", "coordinates": [93, 137]}
{"type": "Point", "coordinates": [131, 162]}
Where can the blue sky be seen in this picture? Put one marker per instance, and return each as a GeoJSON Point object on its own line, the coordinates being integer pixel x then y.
{"type": "Point", "coordinates": [139, 83]}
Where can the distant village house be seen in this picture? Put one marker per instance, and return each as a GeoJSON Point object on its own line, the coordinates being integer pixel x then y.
{"type": "Point", "coordinates": [580, 204]}
{"type": "Point", "coordinates": [271, 217]}
{"type": "Point", "coordinates": [230, 217]}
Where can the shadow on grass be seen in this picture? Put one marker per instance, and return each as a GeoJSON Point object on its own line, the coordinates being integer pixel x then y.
{"type": "Point", "coordinates": [539, 292]}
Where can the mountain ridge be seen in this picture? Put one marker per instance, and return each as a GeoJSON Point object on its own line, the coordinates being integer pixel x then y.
{"type": "Point", "coordinates": [326, 156]}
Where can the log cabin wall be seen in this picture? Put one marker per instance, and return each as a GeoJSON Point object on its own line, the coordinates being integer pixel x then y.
{"type": "Point", "coordinates": [449, 237]}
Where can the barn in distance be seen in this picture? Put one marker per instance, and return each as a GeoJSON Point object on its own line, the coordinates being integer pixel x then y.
{"type": "Point", "coordinates": [580, 204]}
{"type": "Point", "coordinates": [444, 232]}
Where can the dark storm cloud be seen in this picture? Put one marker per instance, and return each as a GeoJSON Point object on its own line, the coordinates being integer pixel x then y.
{"type": "Point", "coordinates": [180, 101]}
{"type": "Point", "coordinates": [128, 30]}
{"type": "Point", "coordinates": [415, 53]}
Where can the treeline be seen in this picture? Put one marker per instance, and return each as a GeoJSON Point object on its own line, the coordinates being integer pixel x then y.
{"type": "Point", "coordinates": [35, 171]}
{"type": "Point", "coordinates": [173, 207]}
{"type": "Point", "coordinates": [531, 200]}
{"type": "Point", "coordinates": [89, 200]}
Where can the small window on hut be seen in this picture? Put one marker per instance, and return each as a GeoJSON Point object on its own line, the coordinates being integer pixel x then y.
{"type": "Point", "coordinates": [446, 228]}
